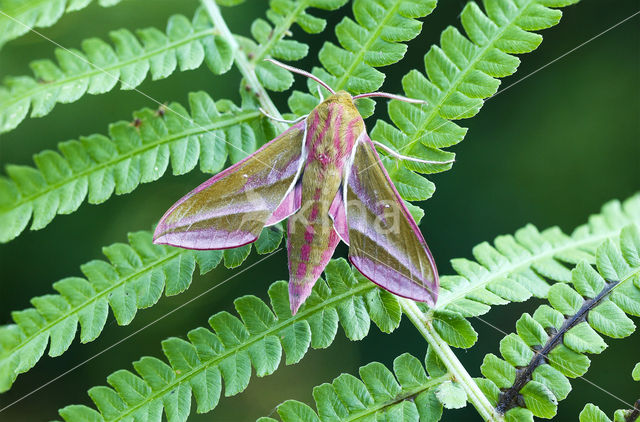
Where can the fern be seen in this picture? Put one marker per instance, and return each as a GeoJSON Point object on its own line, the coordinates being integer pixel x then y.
{"type": "Point", "coordinates": [18, 15]}
{"type": "Point", "coordinates": [374, 40]}
{"type": "Point", "coordinates": [550, 346]}
{"type": "Point", "coordinates": [133, 278]}
{"type": "Point", "coordinates": [99, 67]}
{"type": "Point", "coordinates": [234, 346]}
{"type": "Point", "coordinates": [519, 267]}
{"type": "Point", "coordinates": [592, 413]}
{"type": "Point", "coordinates": [408, 394]}
{"type": "Point", "coordinates": [346, 297]}
{"type": "Point", "coordinates": [135, 152]}
{"type": "Point", "coordinates": [461, 74]}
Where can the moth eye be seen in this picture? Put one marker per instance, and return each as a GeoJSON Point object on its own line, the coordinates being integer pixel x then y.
{"type": "Point", "coordinates": [245, 176]}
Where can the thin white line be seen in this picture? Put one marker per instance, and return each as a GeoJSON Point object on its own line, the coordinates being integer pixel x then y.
{"type": "Point", "coordinates": [562, 56]}
{"type": "Point", "coordinates": [186, 119]}
{"type": "Point", "coordinates": [137, 331]}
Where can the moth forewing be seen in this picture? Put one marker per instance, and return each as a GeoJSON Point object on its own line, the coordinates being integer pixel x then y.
{"type": "Point", "coordinates": [386, 244]}
{"type": "Point", "coordinates": [231, 208]}
{"type": "Point", "coordinates": [281, 214]}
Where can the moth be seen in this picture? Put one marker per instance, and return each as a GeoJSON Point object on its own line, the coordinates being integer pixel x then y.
{"type": "Point", "coordinates": [325, 175]}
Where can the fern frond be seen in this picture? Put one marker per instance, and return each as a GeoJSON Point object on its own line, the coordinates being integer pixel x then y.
{"type": "Point", "coordinates": [550, 346]}
{"type": "Point", "coordinates": [18, 15]}
{"type": "Point", "coordinates": [236, 345]}
{"type": "Point", "coordinates": [135, 152]}
{"type": "Point", "coordinates": [461, 73]}
{"type": "Point", "coordinates": [133, 277]}
{"type": "Point", "coordinates": [407, 394]}
{"type": "Point", "coordinates": [518, 267]}
{"type": "Point", "coordinates": [99, 66]}
{"type": "Point", "coordinates": [374, 39]}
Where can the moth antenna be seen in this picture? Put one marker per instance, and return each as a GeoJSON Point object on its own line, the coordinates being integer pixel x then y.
{"type": "Point", "coordinates": [277, 119]}
{"type": "Point", "coordinates": [301, 72]}
{"type": "Point", "coordinates": [391, 97]}
{"type": "Point", "coordinates": [406, 158]}
{"type": "Point", "coordinates": [320, 94]}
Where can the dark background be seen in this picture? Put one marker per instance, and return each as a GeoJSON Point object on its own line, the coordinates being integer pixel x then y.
{"type": "Point", "coordinates": [548, 151]}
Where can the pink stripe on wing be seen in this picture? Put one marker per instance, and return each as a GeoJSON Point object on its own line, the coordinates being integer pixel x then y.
{"type": "Point", "coordinates": [302, 270]}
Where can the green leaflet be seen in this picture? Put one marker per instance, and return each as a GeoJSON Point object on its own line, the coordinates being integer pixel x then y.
{"type": "Point", "coordinates": [96, 166]}
{"type": "Point", "coordinates": [592, 413]}
{"type": "Point", "coordinates": [378, 395]}
{"type": "Point", "coordinates": [99, 66]}
{"type": "Point", "coordinates": [37, 14]}
{"type": "Point", "coordinates": [133, 278]}
{"type": "Point", "coordinates": [229, 351]}
{"type": "Point", "coordinates": [375, 39]}
{"type": "Point", "coordinates": [550, 346]}
{"type": "Point", "coordinates": [460, 74]}
{"type": "Point", "coordinates": [454, 329]}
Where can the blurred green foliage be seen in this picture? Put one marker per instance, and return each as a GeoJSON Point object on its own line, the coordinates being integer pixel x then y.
{"type": "Point", "coordinates": [549, 150]}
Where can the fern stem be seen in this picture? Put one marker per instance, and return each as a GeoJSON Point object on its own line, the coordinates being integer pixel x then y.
{"type": "Point", "coordinates": [508, 399]}
{"type": "Point", "coordinates": [242, 62]}
{"type": "Point", "coordinates": [446, 355]}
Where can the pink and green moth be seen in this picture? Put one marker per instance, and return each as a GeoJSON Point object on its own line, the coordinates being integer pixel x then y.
{"type": "Point", "coordinates": [325, 176]}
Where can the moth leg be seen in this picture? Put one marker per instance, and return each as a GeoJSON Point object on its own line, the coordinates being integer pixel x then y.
{"type": "Point", "coordinates": [277, 119]}
{"type": "Point", "coordinates": [407, 158]}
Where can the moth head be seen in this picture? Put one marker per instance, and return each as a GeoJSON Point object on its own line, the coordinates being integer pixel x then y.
{"type": "Point", "coordinates": [342, 98]}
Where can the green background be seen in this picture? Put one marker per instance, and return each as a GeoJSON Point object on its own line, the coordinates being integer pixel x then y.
{"type": "Point", "coordinates": [550, 151]}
